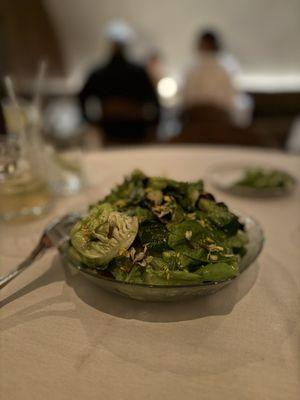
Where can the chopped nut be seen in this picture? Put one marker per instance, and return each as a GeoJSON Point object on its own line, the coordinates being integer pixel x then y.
{"type": "Point", "coordinates": [139, 256]}
{"type": "Point", "coordinates": [191, 215]}
{"type": "Point", "coordinates": [122, 252]}
{"type": "Point", "coordinates": [214, 247]}
{"type": "Point", "coordinates": [188, 235]}
{"type": "Point", "coordinates": [132, 252]}
{"type": "Point", "coordinates": [121, 203]}
{"type": "Point", "coordinates": [142, 263]}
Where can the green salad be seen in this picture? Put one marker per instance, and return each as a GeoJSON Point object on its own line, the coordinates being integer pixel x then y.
{"type": "Point", "coordinates": [158, 231]}
{"type": "Point", "coordinates": [260, 178]}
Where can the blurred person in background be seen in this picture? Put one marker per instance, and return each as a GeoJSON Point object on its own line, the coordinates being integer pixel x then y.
{"type": "Point", "coordinates": [211, 80]}
{"type": "Point", "coordinates": [119, 95]}
{"type": "Point", "coordinates": [208, 81]}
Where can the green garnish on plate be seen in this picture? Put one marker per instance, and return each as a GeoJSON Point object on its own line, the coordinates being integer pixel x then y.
{"type": "Point", "coordinates": [158, 231]}
{"type": "Point", "coordinates": [260, 178]}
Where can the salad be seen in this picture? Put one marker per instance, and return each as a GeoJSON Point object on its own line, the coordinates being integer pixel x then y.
{"type": "Point", "coordinates": [158, 231]}
{"type": "Point", "coordinates": [259, 178]}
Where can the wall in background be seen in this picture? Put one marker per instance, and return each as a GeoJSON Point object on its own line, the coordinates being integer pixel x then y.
{"type": "Point", "coordinates": [263, 34]}
{"type": "Point", "coordinates": [26, 37]}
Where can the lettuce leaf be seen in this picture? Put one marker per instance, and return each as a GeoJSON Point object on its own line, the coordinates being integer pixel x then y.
{"type": "Point", "coordinates": [154, 235]}
{"type": "Point", "coordinates": [103, 234]}
{"type": "Point", "coordinates": [217, 213]}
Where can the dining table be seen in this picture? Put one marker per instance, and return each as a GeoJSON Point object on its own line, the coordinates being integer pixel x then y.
{"type": "Point", "coordinates": [62, 337]}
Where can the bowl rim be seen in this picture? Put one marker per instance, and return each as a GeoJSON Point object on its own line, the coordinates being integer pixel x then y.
{"type": "Point", "coordinates": [88, 271]}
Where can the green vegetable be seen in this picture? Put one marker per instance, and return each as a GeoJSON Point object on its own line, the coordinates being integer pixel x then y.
{"type": "Point", "coordinates": [154, 235]}
{"type": "Point", "coordinates": [102, 235]}
{"type": "Point", "coordinates": [158, 231]}
{"type": "Point", "coordinates": [218, 214]}
{"type": "Point", "coordinates": [186, 194]}
{"type": "Point", "coordinates": [130, 192]}
{"type": "Point", "coordinates": [124, 269]}
{"type": "Point", "coordinates": [260, 178]}
{"type": "Point", "coordinates": [218, 271]}
{"type": "Point", "coordinates": [142, 214]}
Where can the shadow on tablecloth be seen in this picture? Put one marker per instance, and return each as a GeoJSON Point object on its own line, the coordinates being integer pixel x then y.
{"type": "Point", "coordinates": [220, 303]}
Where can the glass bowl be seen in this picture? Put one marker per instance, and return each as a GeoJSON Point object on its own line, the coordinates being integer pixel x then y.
{"type": "Point", "coordinates": [165, 293]}
{"type": "Point", "coordinates": [224, 176]}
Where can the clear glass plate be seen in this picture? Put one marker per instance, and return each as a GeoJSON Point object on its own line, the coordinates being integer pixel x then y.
{"type": "Point", "coordinates": [224, 176]}
{"type": "Point", "coordinates": [172, 292]}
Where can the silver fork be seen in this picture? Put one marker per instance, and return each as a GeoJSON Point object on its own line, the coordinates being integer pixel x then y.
{"type": "Point", "coordinates": [55, 235]}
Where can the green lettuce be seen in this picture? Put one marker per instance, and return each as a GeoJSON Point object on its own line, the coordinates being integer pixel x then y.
{"type": "Point", "coordinates": [158, 231]}
{"type": "Point", "coordinates": [103, 234]}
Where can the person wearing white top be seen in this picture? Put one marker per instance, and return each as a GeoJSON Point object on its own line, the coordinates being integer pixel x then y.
{"type": "Point", "coordinates": [208, 81]}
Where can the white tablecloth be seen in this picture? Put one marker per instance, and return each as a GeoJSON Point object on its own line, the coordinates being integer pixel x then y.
{"type": "Point", "coordinates": [63, 338]}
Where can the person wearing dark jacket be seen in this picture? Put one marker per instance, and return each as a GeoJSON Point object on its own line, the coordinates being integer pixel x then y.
{"type": "Point", "coordinates": [123, 96]}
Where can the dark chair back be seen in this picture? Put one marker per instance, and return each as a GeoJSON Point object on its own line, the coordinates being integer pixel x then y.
{"type": "Point", "coordinates": [126, 121]}
{"type": "Point", "coordinates": [212, 125]}
{"type": "Point", "coordinates": [205, 113]}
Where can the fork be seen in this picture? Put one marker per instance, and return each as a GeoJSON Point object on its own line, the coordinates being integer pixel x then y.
{"type": "Point", "coordinates": [55, 235]}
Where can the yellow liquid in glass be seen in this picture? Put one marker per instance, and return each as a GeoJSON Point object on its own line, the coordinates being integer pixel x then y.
{"type": "Point", "coordinates": [23, 196]}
